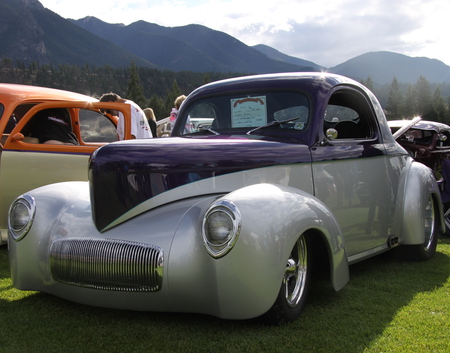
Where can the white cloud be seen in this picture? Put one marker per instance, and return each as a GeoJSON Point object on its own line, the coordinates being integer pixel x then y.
{"type": "Point", "coordinates": [327, 32]}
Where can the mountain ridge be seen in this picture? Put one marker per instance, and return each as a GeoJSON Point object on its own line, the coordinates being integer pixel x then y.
{"type": "Point", "coordinates": [31, 33]}
{"type": "Point", "coordinates": [375, 63]}
{"type": "Point", "coordinates": [191, 47]}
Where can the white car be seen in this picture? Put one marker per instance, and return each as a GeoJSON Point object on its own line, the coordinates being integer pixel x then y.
{"type": "Point", "coordinates": [229, 220]}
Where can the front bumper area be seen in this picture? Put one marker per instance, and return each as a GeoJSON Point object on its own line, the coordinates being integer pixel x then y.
{"type": "Point", "coordinates": [107, 264]}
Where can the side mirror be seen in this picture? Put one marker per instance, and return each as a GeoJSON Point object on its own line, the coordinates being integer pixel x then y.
{"type": "Point", "coordinates": [332, 134]}
{"type": "Point", "coordinates": [17, 137]}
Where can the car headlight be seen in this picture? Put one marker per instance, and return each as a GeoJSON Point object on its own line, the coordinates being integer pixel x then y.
{"type": "Point", "coordinates": [21, 216]}
{"type": "Point", "coordinates": [221, 227]}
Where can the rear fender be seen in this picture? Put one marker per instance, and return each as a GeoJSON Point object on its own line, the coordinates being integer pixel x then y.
{"type": "Point", "coordinates": [417, 184]}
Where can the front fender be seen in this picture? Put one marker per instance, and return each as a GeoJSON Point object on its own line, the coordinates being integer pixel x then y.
{"type": "Point", "coordinates": [52, 203]}
{"type": "Point", "coordinates": [247, 280]}
{"type": "Point", "coordinates": [418, 184]}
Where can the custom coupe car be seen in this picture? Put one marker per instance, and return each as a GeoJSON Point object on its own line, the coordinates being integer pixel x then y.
{"type": "Point", "coordinates": [427, 141]}
{"type": "Point", "coordinates": [230, 219]}
{"type": "Point", "coordinates": [26, 162]}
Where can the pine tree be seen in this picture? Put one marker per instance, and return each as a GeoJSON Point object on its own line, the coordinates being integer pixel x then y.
{"type": "Point", "coordinates": [447, 112]}
{"type": "Point", "coordinates": [409, 108]}
{"type": "Point", "coordinates": [395, 102]}
{"type": "Point", "coordinates": [135, 91]}
{"type": "Point", "coordinates": [206, 79]}
{"type": "Point", "coordinates": [171, 96]}
{"type": "Point", "coordinates": [157, 104]}
{"type": "Point", "coordinates": [439, 107]}
{"type": "Point", "coordinates": [423, 98]}
{"type": "Point", "coordinates": [368, 83]}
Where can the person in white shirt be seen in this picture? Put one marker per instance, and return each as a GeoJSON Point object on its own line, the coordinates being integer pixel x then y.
{"type": "Point", "coordinates": [140, 128]}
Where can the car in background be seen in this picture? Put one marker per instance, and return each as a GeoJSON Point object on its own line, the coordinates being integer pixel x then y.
{"type": "Point", "coordinates": [163, 126]}
{"type": "Point", "coordinates": [229, 220]}
{"type": "Point", "coordinates": [428, 142]}
{"type": "Point", "coordinates": [25, 162]}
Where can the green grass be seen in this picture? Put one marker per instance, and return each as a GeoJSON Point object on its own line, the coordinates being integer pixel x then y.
{"type": "Point", "coordinates": [388, 306]}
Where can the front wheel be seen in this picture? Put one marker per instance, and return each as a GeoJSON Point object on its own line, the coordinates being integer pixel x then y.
{"type": "Point", "coordinates": [295, 285]}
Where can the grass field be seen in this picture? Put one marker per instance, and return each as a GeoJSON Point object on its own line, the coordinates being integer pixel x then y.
{"type": "Point", "coordinates": [388, 306]}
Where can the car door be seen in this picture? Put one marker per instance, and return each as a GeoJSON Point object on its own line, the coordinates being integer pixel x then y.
{"type": "Point", "coordinates": [27, 164]}
{"type": "Point", "coordinates": [353, 174]}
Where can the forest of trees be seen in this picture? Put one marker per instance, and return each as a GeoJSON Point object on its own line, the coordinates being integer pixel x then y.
{"type": "Point", "coordinates": [158, 89]}
{"type": "Point", "coordinates": [147, 87]}
{"type": "Point", "coordinates": [404, 101]}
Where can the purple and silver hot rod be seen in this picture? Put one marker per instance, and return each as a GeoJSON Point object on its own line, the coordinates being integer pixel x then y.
{"type": "Point", "coordinates": [227, 217]}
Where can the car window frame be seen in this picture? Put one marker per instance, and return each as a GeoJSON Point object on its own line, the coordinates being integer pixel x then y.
{"type": "Point", "coordinates": [227, 130]}
{"type": "Point", "coordinates": [367, 109]}
{"type": "Point", "coordinates": [15, 140]}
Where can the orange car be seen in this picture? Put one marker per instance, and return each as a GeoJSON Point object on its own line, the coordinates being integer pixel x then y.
{"type": "Point", "coordinates": [43, 164]}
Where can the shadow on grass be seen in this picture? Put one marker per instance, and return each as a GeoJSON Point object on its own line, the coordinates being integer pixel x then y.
{"type": "Point", "coordinates": [347, 321]}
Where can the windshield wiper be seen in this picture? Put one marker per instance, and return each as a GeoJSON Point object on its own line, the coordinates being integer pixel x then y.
{"type": "Point", "coordinates": [272, 123]}
{"type": "Point", "coordinates": [208, 129]}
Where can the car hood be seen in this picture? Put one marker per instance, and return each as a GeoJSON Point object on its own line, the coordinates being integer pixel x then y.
{"type": "Point", "coordinates": [123, 175]}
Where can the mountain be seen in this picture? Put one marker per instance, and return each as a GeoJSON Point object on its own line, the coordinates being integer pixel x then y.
{"type": "Point", "coordinates": [191, 47]}
{"type": "Point", "coordinates": [29, 32]}
{"type": "Point", "coordinates": [382, 66]}
{"type": "Point", "coordinates": [276, 55]}
{"type": "Point", "coordinates": [198, 48]}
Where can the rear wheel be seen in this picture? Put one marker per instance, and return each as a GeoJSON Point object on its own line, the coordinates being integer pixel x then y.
{"type": "Point", "coordinates": [426, 251]}
{"type": "Point", "coordinates": [295, 285]}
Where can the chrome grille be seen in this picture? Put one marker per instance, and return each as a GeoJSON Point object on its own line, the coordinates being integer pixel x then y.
{"type": "Point", "coordinates": [108, 264]}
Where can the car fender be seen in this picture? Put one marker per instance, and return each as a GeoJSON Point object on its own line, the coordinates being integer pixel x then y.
{"type": "Point", "coordinates": [273, 217]}
{"type": "Point", "coordinates": [417, 184]}
{"type": "Point", "coordinates": [52, 203]}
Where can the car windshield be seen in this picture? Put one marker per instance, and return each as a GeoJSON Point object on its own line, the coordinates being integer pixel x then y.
{"type": "Point", "coordinates": [246, 112]}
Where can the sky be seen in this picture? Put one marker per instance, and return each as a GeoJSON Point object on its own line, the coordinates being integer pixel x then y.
{"type": "Point", "coordinates": [326, 32]}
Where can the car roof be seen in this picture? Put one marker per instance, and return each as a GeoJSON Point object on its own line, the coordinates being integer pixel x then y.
{"type": "Point", "coordinates": [16, 92]}
{"type": "Point", "coordinates": [309, 81]}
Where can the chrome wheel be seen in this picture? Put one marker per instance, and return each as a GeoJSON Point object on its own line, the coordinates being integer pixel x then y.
{"type": "Point", "coordinates": [426, 250]}
{"type": "Point", "coordinates": [429, 225]}
{"type": "Point", "coordinates": [294, 288]}
{"type": "Point", "coordinates": [294, 279]}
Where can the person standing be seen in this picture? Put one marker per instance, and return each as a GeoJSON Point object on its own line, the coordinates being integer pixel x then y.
{"type": "Point", "coordinates": [174, 112]}
{"type": "Point", "coordinates": [140, 128]}
{"type": "Point", "coordinates": [151, 120]}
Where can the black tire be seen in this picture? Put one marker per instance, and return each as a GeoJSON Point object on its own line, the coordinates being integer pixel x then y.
{"type": "Point", "coordinates": [294, 289]}
{"type": "Point", "coordinates": [426, 251]}
{"type": "Point", "coordinates": [447, 222]}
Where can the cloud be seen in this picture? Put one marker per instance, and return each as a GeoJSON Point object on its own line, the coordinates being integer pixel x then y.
{"type": "Point", "coordinates": [326, 32]}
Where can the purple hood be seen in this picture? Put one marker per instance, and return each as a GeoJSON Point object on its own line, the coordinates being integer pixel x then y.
{"type": "Point", "coordinates": [123, 175]}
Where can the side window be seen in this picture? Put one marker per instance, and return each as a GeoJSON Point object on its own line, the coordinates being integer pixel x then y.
{"type": "Point", "coordinates": [299, 113]}
{"type": "Point", "coordinates": [95, 127]}
{"type": "Point", "coordinates": [50, 126]}
{"type": "Point", "coordinates": [420, 137]}
{"type": "Point", "coordinates": [16, 116]}
{"type": "Point", "coordinates": [201, 116]}
{"type": "Point", "coordinates": [349, 114]}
